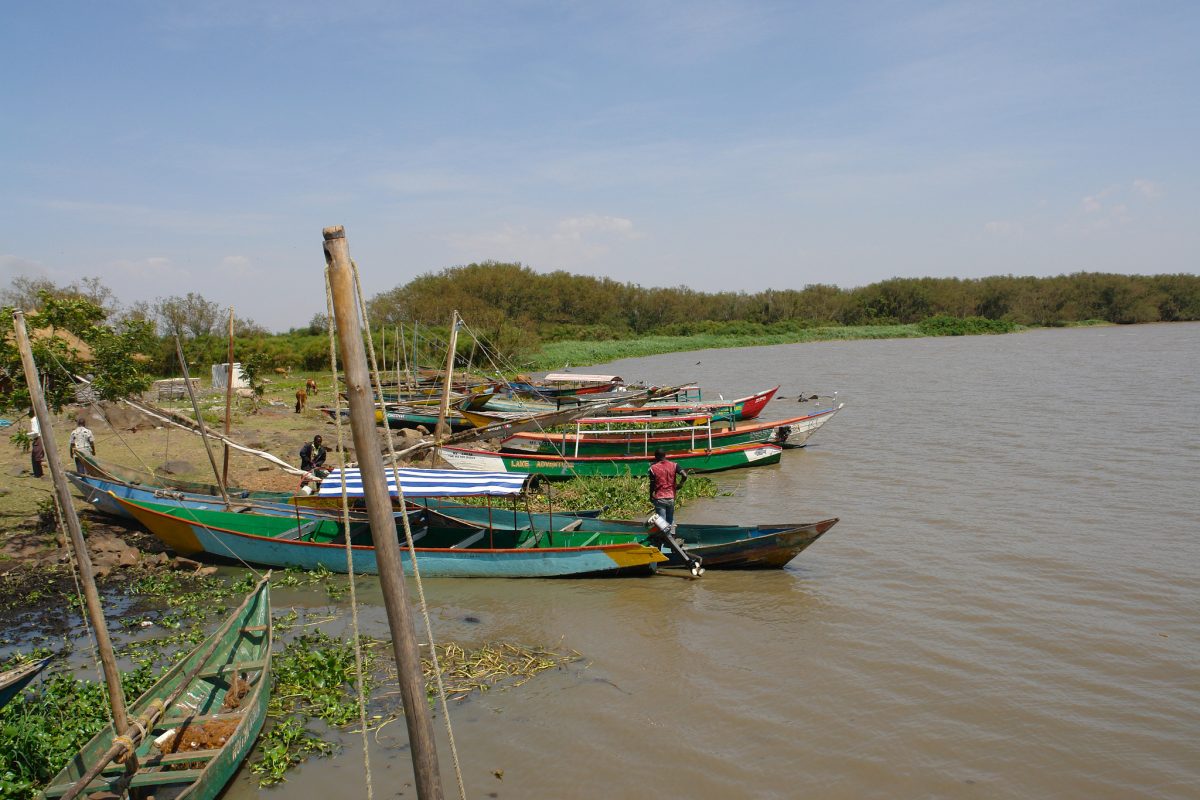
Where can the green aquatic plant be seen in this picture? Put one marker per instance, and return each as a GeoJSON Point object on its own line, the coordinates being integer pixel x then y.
{"type": "Point", "coordinates": [621, 497]}
{"type": "Point", "coordinates": [284, 746]}
{"type": "Point", "coordinates": [48, 725]}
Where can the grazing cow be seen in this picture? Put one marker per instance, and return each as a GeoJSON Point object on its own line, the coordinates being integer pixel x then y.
{"type": "Point", "coordinates": [284, 371]}
{"type": "Point", "coordinates": [301, 400]}
{"type": "Point", "coordinates": [310, 386]}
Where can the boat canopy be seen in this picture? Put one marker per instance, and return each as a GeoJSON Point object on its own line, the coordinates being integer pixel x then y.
{"type": "Point", "coordinates": [430, 483]}
{"type": "Point", "coordinates": [571, 377]}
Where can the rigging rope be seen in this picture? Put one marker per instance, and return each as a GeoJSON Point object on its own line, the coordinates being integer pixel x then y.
{"type": "Point", "coordinates": [87, 626]}
{"type": "Point", "coordinates": [358, 661]}
{"type": "Point", "coordinates": [191, 512]}
{"type": "Point", "coordinates": [412, 550]}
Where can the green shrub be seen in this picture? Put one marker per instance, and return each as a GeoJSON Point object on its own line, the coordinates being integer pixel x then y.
{"type": "Point", "coordinates": [946, 325]}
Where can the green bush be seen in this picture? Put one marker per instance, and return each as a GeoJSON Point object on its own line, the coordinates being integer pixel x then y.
{"type": "Point", "coordinates": [946, 325]}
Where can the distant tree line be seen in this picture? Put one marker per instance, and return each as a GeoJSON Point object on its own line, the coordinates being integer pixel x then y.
{"type": "Point", "coordinates": [562, 305]}
{"type": "Point", "coordinates": [515, 310]}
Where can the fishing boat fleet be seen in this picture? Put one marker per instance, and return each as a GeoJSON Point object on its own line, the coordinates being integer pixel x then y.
{"type": "Point", "coordinates": [187, 735]}
{"type": "Point", "coordinates": [601, 428]}
{"type": "Point", "coordinates": [595, 426]}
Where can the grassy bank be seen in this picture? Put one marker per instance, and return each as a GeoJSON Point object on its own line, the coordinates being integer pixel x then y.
{"type": "Point", "coordinates": [554, 354]}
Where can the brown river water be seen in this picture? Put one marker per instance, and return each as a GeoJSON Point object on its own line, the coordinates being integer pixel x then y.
{"type": "Point", "coordinates": [1007, 609]}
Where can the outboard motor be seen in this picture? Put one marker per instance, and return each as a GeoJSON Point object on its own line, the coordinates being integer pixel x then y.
{"type": "Point", "coordinates": [311, 481]}
{"type": "Point", "coordinates": [661, 531]}
{"type": "Point", "coordinates": [782, 433]}
{"type": "Point", "coordinates": [656, 522]}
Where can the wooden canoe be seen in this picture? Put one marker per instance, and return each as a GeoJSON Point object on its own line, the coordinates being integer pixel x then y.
{"type": "Point", "coordinates": [563, 467]}
{"type": "Point", "coordinates": [12, 681]}
{"type": "Point", "coordinates": [102, 495]}
{"type": "Point", "coordinates": [743, 408]}
{"type": "Point", "coordinates": [90, 465]}
{"type": "Point", "coordinates": [442, 552]}
{"type": "Point", "coordinates": [220, 692]}
{"type": "Point", "coordinates": [642, 435]}
{"type": "Point", "coordinates": [720, 546]}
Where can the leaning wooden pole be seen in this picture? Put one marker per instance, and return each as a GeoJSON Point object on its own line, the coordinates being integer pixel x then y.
{"type": "Point", "coordinates": [112, 678]}
{"type": "Point", "coordinates": [187, 382]}
{"type": "Point", "coordinates": [443, 428]}
{"type": "Point", "coordinates": [379, 510]}
{"type": "Point", "coordinates": [228, 401]}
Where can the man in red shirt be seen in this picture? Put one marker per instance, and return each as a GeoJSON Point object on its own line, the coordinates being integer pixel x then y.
{"type": "Point", "coordinates": [665, 479]}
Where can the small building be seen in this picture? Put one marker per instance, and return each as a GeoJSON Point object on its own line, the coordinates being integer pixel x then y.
{"type": "Point", "coordinates": [220, 371]}
{"type": "Point", "coordinates": [174, 388]}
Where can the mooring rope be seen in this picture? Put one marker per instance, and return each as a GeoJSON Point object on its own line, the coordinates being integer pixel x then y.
{"type": "Point", "coordinates": [94, 646]}
{"type": "Point", "coordinates": [358, 660]}
{"type": "Point", "coordinates": [412, 550]}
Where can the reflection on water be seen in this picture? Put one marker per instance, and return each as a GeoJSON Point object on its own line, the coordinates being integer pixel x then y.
{"type": "Point", "coordinates": [1006, 609]}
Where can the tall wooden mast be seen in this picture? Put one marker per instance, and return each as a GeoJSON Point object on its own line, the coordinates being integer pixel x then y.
{"type": "Point", "coordinates": [379, 511]}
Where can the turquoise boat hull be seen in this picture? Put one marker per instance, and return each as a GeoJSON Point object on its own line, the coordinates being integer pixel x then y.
{"type": "Point", "coordinates": [268, 541]}
{"type": "Point", "coordinates": [720, 546]}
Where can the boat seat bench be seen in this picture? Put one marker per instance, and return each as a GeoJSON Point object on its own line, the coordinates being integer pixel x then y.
{"type": "Point", "coordinates": [221, 670]}
{"type": "Point", "coordinates": [166, 759]}
{"type": "Point", "coordinates": [140, 779]}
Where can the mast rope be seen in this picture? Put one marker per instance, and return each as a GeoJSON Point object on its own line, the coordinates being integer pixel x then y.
{"type": "Point", "coordinates": [359, 683]}
{"type": "Point", "coordinates": [412, 550]}
{"type": "Point", "coordinates": [191, 512]}
{"type": "Point", "coordinates": [87, 626]}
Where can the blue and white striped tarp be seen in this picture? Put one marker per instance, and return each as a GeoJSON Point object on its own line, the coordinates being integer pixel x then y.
{"type": "Point", "coordinates": [430, 483]}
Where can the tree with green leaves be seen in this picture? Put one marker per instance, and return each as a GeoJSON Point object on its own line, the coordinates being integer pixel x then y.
{"type": "Point", "coordinates": [69, 338]}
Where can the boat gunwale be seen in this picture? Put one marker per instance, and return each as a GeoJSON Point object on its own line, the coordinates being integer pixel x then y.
{"type": "Point", "coordinates": [617, 547]}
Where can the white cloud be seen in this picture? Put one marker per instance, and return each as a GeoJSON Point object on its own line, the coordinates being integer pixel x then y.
{"type": "Point", "coordinates": [15, 266]}
{"type": "Point", "coordinates": [154, 217]}
{"type": "Point", "coordinates": [577, 227]}
{"type": "Point", "coordinates": [158, 267]}
{"type": "Point", "coordinates": [429, 182]}
{"type": "Point", "coordinates": [569, 243]}
{"type": "Point", "coordinates": [1002, 227]}
{"type": "Point", "coordinates": [1094, 203]}
{"type": "Point", "coordinates": [1147, 188]}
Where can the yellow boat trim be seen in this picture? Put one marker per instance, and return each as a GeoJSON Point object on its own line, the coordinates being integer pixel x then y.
{"type": "Point", "coordinates": [638, 556]}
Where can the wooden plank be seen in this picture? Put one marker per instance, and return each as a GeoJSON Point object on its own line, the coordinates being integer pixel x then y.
{"type": "Point", "coordinates": [221, 670]}
{"type": "Point", "coordinates": [164, 759]}
{"type": "Point", "coordinates": [140, 779]}
{"type": "Point", "coordinates": [470, 540]}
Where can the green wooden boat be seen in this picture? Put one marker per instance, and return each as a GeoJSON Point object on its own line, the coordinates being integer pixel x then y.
{"type": "Point", "coordinates": [106, 470]}
{"type": "Point", "coordinates": [215, 699]}
{"type": "Point", "coordinates": [553, 466]}
{"type": "Point", "coordinates": [442, 551]}
{"type": "Point", "coordinates": [642, 435]}
{"type": "Point", "coordinates": [763, 546]}
{"type": "Point", "coordinates": [12, 681]}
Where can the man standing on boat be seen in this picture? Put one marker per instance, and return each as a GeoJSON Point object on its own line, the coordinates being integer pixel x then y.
{"type": "Point", "coordinates": [666, 478]}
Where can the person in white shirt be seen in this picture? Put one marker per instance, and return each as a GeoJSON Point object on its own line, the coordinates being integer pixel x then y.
{"type": "Point", "coordinates": [82, 441]}
{"type": "Point", "coordinates": [37, 450]}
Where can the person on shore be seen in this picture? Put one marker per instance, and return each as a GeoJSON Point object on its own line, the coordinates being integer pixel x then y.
{"type": "Point", "coordinates": [312, 455]}
{"type": "Point", "coordinates": [82, 443]}
{"type": "Point", "coordinates": [37, 449]}
{"type": "Point", "coordinates": [666, 478]}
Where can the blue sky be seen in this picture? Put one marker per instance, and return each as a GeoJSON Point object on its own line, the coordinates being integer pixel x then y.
{"type": "Point", "coordinates": [201, 146]}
